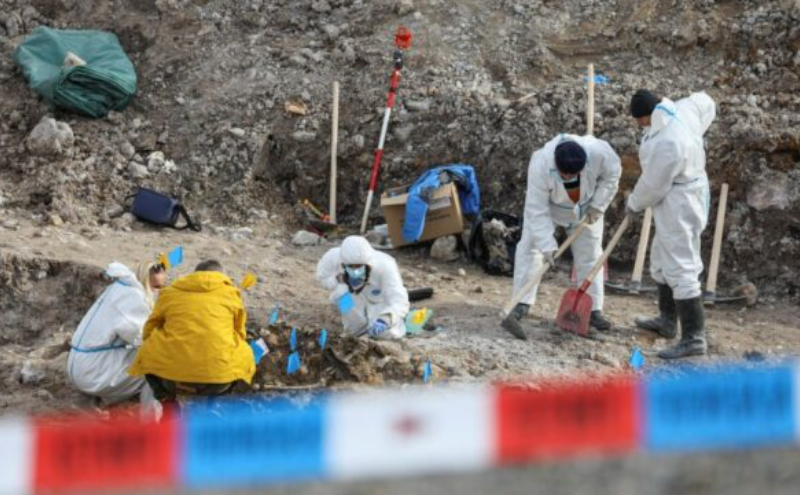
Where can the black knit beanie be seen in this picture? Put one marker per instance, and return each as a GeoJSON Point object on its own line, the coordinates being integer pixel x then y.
{"type": "Point", "coordinates": [570, 157]}
{"type": "Point", "coordinates": [643, 103]}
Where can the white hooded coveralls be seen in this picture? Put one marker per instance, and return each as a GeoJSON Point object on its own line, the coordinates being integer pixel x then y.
{"type": "Point", "coordinates": [106, 341]}
{"type": "Point", "coordinates": [675, 185]}
{"type": "Point", "coordinates": [548, 205]}
{"type": "Point", "coordinates": [383, 296]}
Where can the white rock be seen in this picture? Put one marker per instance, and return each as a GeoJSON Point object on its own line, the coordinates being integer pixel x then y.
{"type": "Point", "coordinates": [50, 137]}
{"type": "Point", "coordinates": [155, 162]}
{"type": "Point", "coordinates": [418, 105]}
{"type": "Point", "coordinates": [445, 249]}
{"type": "Point", "coordinates": [237, 132]}
{"type": "Point", "coordinates": [403, 7]}
{"type": "Point", "coordinates": [304, 136]}
{"type": "Point", "coordinates": [30, 374]}
{"type": "Point", "coordinates": [241, 234]}
{"type": "Point", "coordinates": [127, 150]}
{"type": "Point", "coordinates": [138, 171]}
{"type": "Point", "coordinates": [305, 238]}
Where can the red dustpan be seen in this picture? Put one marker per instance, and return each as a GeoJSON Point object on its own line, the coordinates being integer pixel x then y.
{"type": "Point", "coordinates": [576, 305]}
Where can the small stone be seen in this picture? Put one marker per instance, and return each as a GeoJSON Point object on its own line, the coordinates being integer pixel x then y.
{"type": "Point", "coordinates": [241, 234]}
{"type": "Point", "coordinates": [50, 137]}
{"type": "Point", "coordinates": [43, 394]}
{"type": "Point", "coordinates": [237, 132]}
{"type": "Point", "coordinates": [12, 24]}
{"type": "Point", "coordinates": [155, 162]}
{"type": "Point", "coordinates": [127, 150]}
{"type": "Point", "coordinates": [56, 220]}
{"type": "Point", "coordinates": [359, 141]}
{"type": "Point", "coordinates": [332, 31]}
{"type": "Point", "coordinates": [403, 133]}
{"type": "Point", "coordinates": [305, 238]}
{"type": "Point", "coordinates": [30, 374]}
{"type": "Point", "coordinates": [418, 105]}
{"type": "Point", "coordinates": [304, 136]}
{"type": "Point", "coordinates": [462, 271]}
{"type": "Point", "coordinates": [403, 7]}
{"type": "Point", "coordinates": [445, 249]}
{"type": "Point", "coordinates": [138, 171]}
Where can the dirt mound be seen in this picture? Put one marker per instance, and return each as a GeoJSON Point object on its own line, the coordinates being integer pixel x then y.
{"type": "Point", "coordinates": [40, 297]}
{"type": "Point", "coordinates": [343, 360]}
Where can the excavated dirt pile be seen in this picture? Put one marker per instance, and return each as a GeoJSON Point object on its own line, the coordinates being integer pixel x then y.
{"type": "Point", "coordinates": [342, 360]}
{"type": "Point", "coordinates": [485, 83]}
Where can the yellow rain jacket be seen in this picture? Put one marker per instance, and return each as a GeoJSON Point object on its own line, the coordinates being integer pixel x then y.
{"type": "Point", "coordinates": [196, 333]}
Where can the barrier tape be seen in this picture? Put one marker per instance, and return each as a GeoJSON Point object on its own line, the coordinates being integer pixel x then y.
{"type": "Point", "coordinates": [387, 433]}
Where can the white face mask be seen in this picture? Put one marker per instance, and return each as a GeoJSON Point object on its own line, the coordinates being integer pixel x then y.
{"type": "Point", "coordinates": [356, 276]}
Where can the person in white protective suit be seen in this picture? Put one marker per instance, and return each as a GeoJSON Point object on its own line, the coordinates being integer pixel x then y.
{"type": "Point", "coordinates": [569, 179]}
{"type": "Point", "coordinates": [379, 299]}
{"type": "Point", "coordinates": [674, 184]}
{"type": "Point", "coordinates": [109, 335]}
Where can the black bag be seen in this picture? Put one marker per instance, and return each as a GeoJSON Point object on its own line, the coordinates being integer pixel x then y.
{"type": "Point", "coordinates": [156, 208]}
{"type": "Point", "coordinates": [494, 245]}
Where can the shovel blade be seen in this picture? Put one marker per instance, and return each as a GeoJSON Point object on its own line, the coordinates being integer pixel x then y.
{"type": "Point", "coordinates": [574, 312]}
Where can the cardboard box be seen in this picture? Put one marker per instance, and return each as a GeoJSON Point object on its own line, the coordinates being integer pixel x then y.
{"type": "Point", "coordinates": [444, 216]}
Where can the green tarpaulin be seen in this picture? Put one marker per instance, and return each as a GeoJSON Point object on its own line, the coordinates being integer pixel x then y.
{"type": "Point", "coordinates": [106, 82]}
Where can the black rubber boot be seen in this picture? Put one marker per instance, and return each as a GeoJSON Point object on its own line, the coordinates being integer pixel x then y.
{"type": "Point", "coordinates": [666, 324]}
{"type": "Point", "coordinates": [599, 322]}
{"type": "Point", "coordinates": [693, 340]}
{"type": "Point", "coordinates": [512, 322]}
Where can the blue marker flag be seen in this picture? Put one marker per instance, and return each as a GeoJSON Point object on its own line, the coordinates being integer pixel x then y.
{"type": "Point", "coordinates": [293, 340]}
{"type": "Point", "coordinates": [293, 365]}
{"type": "Point", "coordinates": [259, 348]}
{"type": "Point", "coordinates": [599, 79]}
{"type": "Point", "coordinates": [273, 318]}
{"type": "Point", "coordinates": [346, 303]}
{"type": "Point", "coordinates": [175, 257]}
{"type": "Point", "coordinates": [323, 338]}
{"type": "Point", "coordinates": [426, 372]}
{"type": "Point", "coordinates": [636, 360]}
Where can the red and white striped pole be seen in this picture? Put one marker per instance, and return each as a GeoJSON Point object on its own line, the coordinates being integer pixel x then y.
{"type": "Point", "coordinates": [402, 39]}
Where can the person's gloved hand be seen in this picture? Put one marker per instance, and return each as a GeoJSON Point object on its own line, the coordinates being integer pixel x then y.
{"type": "Point", "coordinates": [593, 215]}
{"type": "Point", "coordinates": [378, 328]}
{"type": "Point", "coordinates": [549, 257]}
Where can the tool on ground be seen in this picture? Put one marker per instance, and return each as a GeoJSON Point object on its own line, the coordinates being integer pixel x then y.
{"type": "Point", "coordinates": [316, 218]}
{"type": "Point", "coordinates": [418, 294]}
{"type": "Point", "coordinates": [748, 292]}
{"type": "Point", "coordinates": [635, 286]}
{"type": "Point", "coordinates": [590, 103]}
{"type": "Point", "coordinates": [402, 41]}
{"type": "Point", "coordinates": [334, 151]}
{"type": "Point", "coordinates": [576, 305]}
{"type": "Point", "coordinates": [537, 277]}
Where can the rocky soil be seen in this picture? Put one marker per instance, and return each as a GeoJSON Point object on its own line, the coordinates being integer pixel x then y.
{"type": "Point", "coordinates": [485, 83]}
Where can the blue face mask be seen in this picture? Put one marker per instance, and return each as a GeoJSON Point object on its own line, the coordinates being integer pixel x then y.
{"type": "Point", "coordinates": [356, 275]}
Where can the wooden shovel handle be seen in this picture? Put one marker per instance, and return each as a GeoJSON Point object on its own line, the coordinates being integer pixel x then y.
{"type": "Point", "coordinates": [644, 239]}
{"type": "Point", "coordinates": [716, 249]}
{"type": "Point", "coordinates": [609, 248]}
{"type": "Point", "coordinates": [334, 150]}
{"type": "Point", "coordinates": [544, 268]}
{"type": "Point", "coordinates": [590, 103]}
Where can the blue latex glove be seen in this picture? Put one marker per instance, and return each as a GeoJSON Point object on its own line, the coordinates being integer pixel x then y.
{"type": "Point", "coordinates": [378, 328]}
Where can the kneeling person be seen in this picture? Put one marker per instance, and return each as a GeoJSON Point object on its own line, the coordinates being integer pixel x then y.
{"type": "Point", "coordinates": [372, 278]}
{"type": "Point", "coordinates": [571, 178]}
{"type": "Point", "coordinates": [195, 341]}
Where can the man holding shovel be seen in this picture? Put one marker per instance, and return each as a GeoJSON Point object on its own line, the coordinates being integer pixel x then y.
{"type": "Point", "coordinates": [674, 184]}
{"type": "Point", "coordinates": [572, 178]}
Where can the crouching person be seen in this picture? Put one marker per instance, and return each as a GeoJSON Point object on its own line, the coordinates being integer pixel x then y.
{"type": "Point", "coordinates": [106, 341]}
{"type": "Point", "coordinates": [377, 304]}
{"type": "Point", "coordinates": [195, 340]}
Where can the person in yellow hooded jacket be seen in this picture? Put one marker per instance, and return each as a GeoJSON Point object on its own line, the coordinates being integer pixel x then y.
{"type": "Point", "coordinates": [195, 340]}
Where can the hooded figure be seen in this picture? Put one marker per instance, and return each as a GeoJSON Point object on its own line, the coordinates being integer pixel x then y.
{"type": "Point", "coordinates": [674, 184]}
{"type": "Point", "coordinates": [570, 178]}
{"type": "Point", "coordinates": [108, 337]}
{"type": "Point", "coordinates": [372, 279]}
{"type": "Point", "coordinates": [196, 336]}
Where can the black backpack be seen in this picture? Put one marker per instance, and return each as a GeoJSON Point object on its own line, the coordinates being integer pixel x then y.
{"type": "Point", "coordinates": [495, 249]}
{"type": "Point", "coordinates": [159, 209]}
